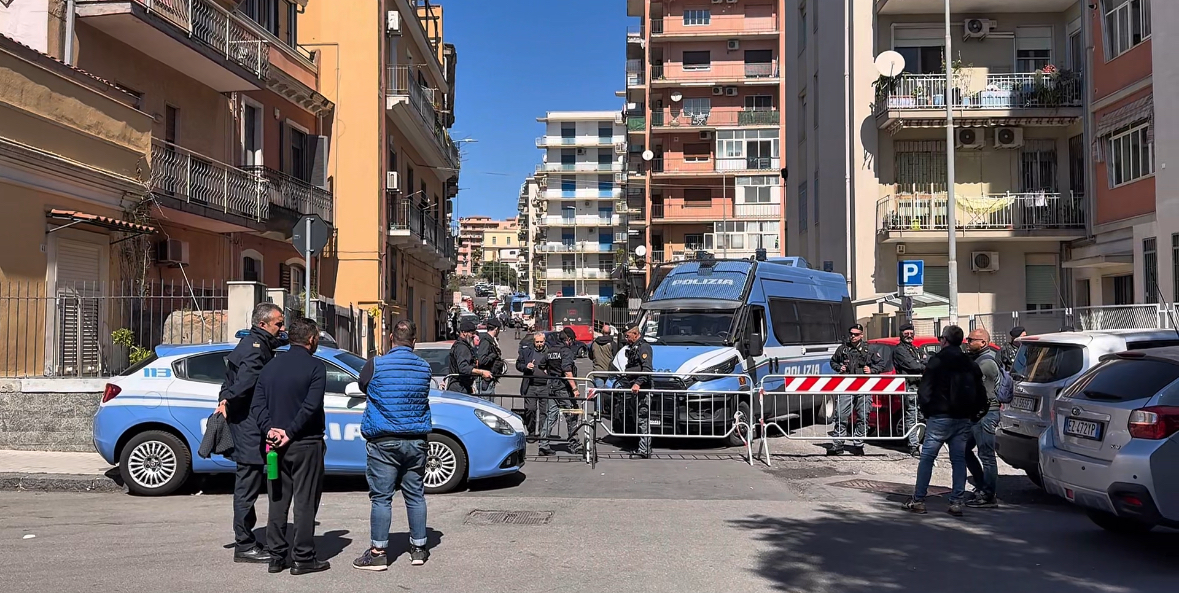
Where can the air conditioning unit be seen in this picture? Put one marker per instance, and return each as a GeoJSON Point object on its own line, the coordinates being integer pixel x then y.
{"type": "Point", "coordinates": [984, 261]}
{"type": "Point", "coordinates": [172, 252]}
{"type": "Point", "coordinates": [969, 138]}
{"type": "Point", "coordinates": [706, 135]}
{"type": "Point", "coordinates": [392, 181]}
{"type": "Point", "coordinates": [900, 248]}
{"type": "Point", "coordinates": [1008, 137]}
{"type": "Point", "coordinates": [393, 23]}
{"type": "Point", "coordinates": [978, 28]}
{"type": "Point", "coordinates": [580, 151]}
{"type": "Point", "coordinates": [731, 91]}
{"type": "Point", "coordinates": [734, 44]}
{"type": "Point", "coordinates": [718, 90]}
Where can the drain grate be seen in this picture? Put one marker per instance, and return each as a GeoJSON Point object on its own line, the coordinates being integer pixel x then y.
{"type": "Point", "coordinates": [887, 487]}
{"type": "Point", "coordinates": [509, 518]}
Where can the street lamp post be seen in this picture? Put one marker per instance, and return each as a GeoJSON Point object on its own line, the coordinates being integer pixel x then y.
{"type": "Point", "coordinates": [951, 197]}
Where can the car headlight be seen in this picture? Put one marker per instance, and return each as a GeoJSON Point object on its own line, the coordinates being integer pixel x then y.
{"type": "Point", "coordinates": [725, 368]}
{"type": "Point", "coordinates": [495, 422]}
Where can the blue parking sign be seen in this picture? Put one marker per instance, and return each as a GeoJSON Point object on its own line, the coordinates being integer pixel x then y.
{"type": "Point", "coordinates": [910, 276]}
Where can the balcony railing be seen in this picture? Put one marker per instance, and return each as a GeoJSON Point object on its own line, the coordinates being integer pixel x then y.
{"type": "Point", "coordinates": [1002, 91]}
{"type": "Point", "coordinates": [294, 194]}
{"type": "Point", "coordinates": [583, 194]}
{"type": "Point", "coordinates": [572, 274]}
{"type": "Point", "coordinates": [579, 167]}
{"type": "Point", "coordinates": [1009, 211]}
{"type": "Point", "coordinates": [715, 72]}
{"type": "Point", "coordinates": [718, 26]}
{"type": "Point", "coordinates": [408, 214]}
{"type": "Point", "coordinates": [714, 165]}
{"type": "Point", "coordinates": [758, 210]}
{"type": "Point", "coordinates": [678, 118]}
{"type": "Point", "coordinates": [581, 220]}
{"type": "Point", "coordinates": [194, 178]}
{"type": "Point", "coordinates": [403, 82]}
{"type": "Point", "coordinates": [636, 123]}
{"type": "Point", "coordinates": [543, 141]}
{"type": "Point", "coordinates": [577, 247]}
{"type": "Point", "coordinates": [658, 256]}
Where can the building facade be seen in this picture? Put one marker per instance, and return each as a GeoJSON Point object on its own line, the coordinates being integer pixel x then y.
{"type": "Point", "coordinates": [705, 85]}
{"type": "Point", "coordinates": [473, 231]}
{"type": "Point", "coordinates": [529, 204]}
{"type": "Point", "coordinates": [580, 221]}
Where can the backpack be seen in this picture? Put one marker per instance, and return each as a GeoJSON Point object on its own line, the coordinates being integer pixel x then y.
{"type": "Point", "coordinates": [1005, 386]}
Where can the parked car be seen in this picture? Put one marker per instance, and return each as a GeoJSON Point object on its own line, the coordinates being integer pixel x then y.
{"type": "Point", "coordinates": [1044, 366]}
{"type": "Point", "coordinates": [1112, 446]}
{"type": "Point", "coordinates": [438, 355]}
{"type": "Point", "coordinates": [152, 418]}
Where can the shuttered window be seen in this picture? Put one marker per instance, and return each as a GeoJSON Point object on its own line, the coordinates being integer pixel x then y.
{"type": "Point", "coordinates": [78, 289]}
{"type": "Point", "coordinates": [937, 280]}
{"type": "Point", "coordinates": [1150, 270]}
{"type": "Point", "coordinates": [1039, 286]}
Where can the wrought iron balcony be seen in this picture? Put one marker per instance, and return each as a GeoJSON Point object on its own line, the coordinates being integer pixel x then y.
{"type": "Point", "coordinates": [294, 194]}
{"type": "Point", "coordinates": [1035, 211]}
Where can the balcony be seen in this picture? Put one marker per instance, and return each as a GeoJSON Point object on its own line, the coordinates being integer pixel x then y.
{"type": "Point", "coordinates": [583, 167]}
{"type": "Point", "coordinates": [414, 229]}
{"type": "Point", "coordinates": [582, 194]}
{"type": "Point", "coordinates": [635, 75]}
{"type": "Point", "coordinates": [712, 166]}
{"type": "Point", "coordinates": [720, 26]}
{"type": "Point", "coordinates": [196, 37]}
{"type": "Point", "coordinates": [636, 123]}
{"type": "Point", "coordinates": [572, 274]}
{"type": "Point", "coordinates": [695, 211]}
{"type": "Point", "coordinates": [1049, 99]}
{"type": "Point", "coordinates": [414, 106]}
{"type": "Point", "coordinates": [716, 73]}
{"type": "Point", "coordinates": [582, 220]}
{"type": "Point", "coordinates": [577, 247]}
{"type": "Point", "coordinates": [294, 195]}
{"type": "Point", "coordinates": [590, 141]}
{"type": "Point", "coordinates": [677, 119]}
{"type": "Point", "coordinates": [917, 217]}
{"type": "Point", "coordinates": [187, 181]}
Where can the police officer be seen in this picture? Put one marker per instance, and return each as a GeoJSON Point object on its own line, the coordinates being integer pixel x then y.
{"type": "Point", "coordinates": [530, 361]}
{"type": "Point", "coordinates": [638, 360]}
{"type": "Point", "coordinates": [907, 359]}
{"type": "Point", "coordinates": [464, 361]}
{"type": "Point", "coordinates": [854, 358]}
{"type": "Point", "coordinates": [490, 358]}
{"type": "Point", "coordinates": [243, 366]}
{"type": "Point", "coordinates": [559, 365]}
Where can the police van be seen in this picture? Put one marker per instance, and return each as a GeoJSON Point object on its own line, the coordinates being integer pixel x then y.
{"type": "Point", "coordinates": [749, 318]}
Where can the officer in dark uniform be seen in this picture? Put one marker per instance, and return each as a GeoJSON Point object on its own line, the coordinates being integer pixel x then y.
{"type": "Point", "coordinates": [490, 358]}
{"type": "Point", "coordinates": [464, 361]}
{"type": "Point", "coordinates": [243, 366]}
{"type": "Point", "coordinates": [908, 359]}
{"type": "Point", "coordinates": [854, 358]}
{"type": "Point", "coordinates": [638, 360]}
{"type": "Point", "coordinates": [559, 365]}
{"type": "Point", "coordinates": [530, 361]}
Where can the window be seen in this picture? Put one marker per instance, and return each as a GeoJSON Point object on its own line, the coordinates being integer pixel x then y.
{"type": "Point", "coordinates": [605, 132]}
{"type": "Point", "coordinates": [1150, 270]}
{"type": "Point", "coordinates": [605, 156]}
{"type": "Point", "coordinates": [252, 135]}
{"type": "Point", "coordinates": [1033, 48]}
{"type": "Point", "coordinates": [1037, 166]}
{"type": "Point", "coordinates": [697, 198]}
{"type": "Point", "coordinates": [697, 106]}
{"type": "Point", "coordinates": [759, 102]}
{"type": "Point", "coordinates": [263, 12]}
{"type": "Point", "coordinates": [568, 131]}
{"type": "Point", "coordinates": [337, 379]}
{"type": "Point", "coordinates": [568, 184]}
{"type": "Point", "coordinates": [205, 368]}
{"type": "Point", "coordinates": [802, 205]}
{"type": "Point", "coordinates": [925, 59]}
{"type": "Point", "coordinates": [1123, 290]}
{"type": "Point", "coordinates": [696, 153]}
{"type": "Point", "coordinates": [798, 321]}
{"type": "Point", "coordinates": [694, 241]}
{"type": "Point", "coordinates": [815, 100]}
{"type": "Point", "coordinates": [568, 156]}
{"type": "Point", "coordinates": [802, 117]}
{"type": "Point", "coordinates": [292, 277]}
{"type": "Point", "coordinates": [1076, 52]}
{"type": "Point", "coordinates": [697, 60]}
{"type": "Point", "coordinates": [493, 239]}
{"type": "Point", "coordinates": [698, 17]}
{"type": "Point", "coordinates": [1040, 287]}
{"type": "Point", "coordinates": [1127, 24]}
{"type": "Point", "coordinates": [756, 190]}
{"type": "Point", "coordinates": [171, 124]}
{"type": "Point", "coordinates": [136, 95]}
{"type": "Point", "coordinates": [298, 155]}
{"type": "Point", "coordinates": [815, 17]}
{"type": "Point", "coordinates": [1131, 155]}
{"type": "Point", "coordinates": [937, 280]}
{"type": "Point", "coordinates": [759, 63]}
{"type": "Point", "coordinates": [815, 190]}
{"type": "Point", "coordinates": [605, 183]}
{"type": "Point", "coordinates": [802, 29]}
{"type": "Point", "coordinates": [292, 24]}
{"type": "Point", "coordinates": [251, 269]}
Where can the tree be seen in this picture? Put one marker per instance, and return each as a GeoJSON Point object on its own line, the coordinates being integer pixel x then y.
{"type": "Point", "coordinates": [498, 273]}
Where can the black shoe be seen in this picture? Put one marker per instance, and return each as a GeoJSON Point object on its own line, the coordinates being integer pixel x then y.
{"type": "Point", "coordinates": [544, 452]}
{"type": "Point", "coordinates": [255, 555]}
{"type": "Point", "coordinates": [418, 555]}
{"type": "Point", "coordinates": [857, 451]}
{"type": "Point", "coordinates": [834, 451]}
{"type": "Point", "coordinates": [278, 565]}
{"type": "Point", "coordinates": [914, 451]}
{"type": "Point", "coordinates": [575, 448]}
{"type": "Point", "coordinates": [310, 567]}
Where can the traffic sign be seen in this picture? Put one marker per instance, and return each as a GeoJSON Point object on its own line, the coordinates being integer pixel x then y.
{"type": "Point", "coordinates": [318, 230]}
{"type": "Point", "coordinates": [911, 277]}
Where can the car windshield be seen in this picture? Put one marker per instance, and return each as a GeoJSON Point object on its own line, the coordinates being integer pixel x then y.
{"type": "Point", "coordinates": [1047, 363]}
{"type": "Point", "coordinates": [351, 361]}
{"type": "Point", "coordinates": [705, 328]}
{"type": "Point", "coordinates": [438, 358]}
{"type": "Point", "coordinates": [1125, 380]}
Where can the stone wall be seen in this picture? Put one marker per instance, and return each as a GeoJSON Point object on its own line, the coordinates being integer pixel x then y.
{"type": "Point", "coordinates": [49, 414]}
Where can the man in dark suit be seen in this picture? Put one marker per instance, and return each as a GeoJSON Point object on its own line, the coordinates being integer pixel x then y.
{"type": "Point", "coordinates": [243, 366]}
{"type": "Point", "coordinates": [289, 407]}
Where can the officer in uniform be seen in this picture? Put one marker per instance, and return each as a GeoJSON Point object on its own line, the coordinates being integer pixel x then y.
{"type": "Point", "coordinates": [530, 362]}
{"type": "Point", "coordinates": [638, 360]}
{"type": "Point", "coordinates": [854, 358]}
{"type": "Point", "coordinates": [490, 358]}
{"type": "Point", "coordinates": [243, 366]}
{"type": "Point", "coordinates": [559, 365]}
{"type": "Point", "coordinates": [907, 359]}
{"type": "Point", "coordinates": [464, 361]}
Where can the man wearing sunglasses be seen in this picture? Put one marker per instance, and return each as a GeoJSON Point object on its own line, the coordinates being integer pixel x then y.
{"type": "Point", "coordinates": [854, 358]}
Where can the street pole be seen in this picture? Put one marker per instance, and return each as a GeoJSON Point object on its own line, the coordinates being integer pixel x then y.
{"type": "Point", "coordinates": [724, 236]}
{"type": "Point", "coordinates": [307, 272]}
{"type": "Point", "coordinates": [951, 196]}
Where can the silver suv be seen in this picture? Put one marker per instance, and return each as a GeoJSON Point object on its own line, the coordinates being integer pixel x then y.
{"type": "Point", "coordinates": [1114, 442]}
{"type": "Point", "coordinates": [1044, 366]}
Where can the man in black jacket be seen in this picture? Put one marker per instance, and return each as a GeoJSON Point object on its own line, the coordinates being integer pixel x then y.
{"type": "Point", "coordinates": [490, 358]}
{"type": "Point", "coordinates": [907, 359]}
{"type": "Point", "coordinates": [464, 361]}
{"type": "Point", "coordinates": [639, 360]}
{"type": "Point", "coordinates": [854, 358]}
{"type": "Point", "coordinates": [530, 362]}
{"type": "Point", "coordinates": [560, 366]}
{"type": "Point", "coordinates": [289, 408]}
{"type": "Point", "coordinates": [952, 397]}
{"type": "Point", "coordinates": [243, 366]}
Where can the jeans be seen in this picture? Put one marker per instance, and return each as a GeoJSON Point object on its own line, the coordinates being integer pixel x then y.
{"type": "Point", "coordinates": [396, 463]}
{"type": "Point", "coordinates": [911, 417]}
{"type": "Point", "coordinates": [560, 394]}
{"type": "Point", "coordinates": [982, 438]}
{"type": "Point", "coordinates": [863, 406]}
{"type": "Point", "coordinates": [249, 481]}
{"type": "Point", "coordinates": [952, 432]}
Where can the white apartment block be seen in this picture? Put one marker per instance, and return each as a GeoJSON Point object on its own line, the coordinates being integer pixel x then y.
{"type": "Point", "coordinates": [578, 231]}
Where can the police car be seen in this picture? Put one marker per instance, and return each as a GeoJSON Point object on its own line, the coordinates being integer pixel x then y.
{"type": "Point", "coordinates": [152, 418]}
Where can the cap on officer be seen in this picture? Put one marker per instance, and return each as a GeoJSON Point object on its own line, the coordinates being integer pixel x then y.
{"type": "Point", "coordinates": [569, 334]}
{"type": "Point", "coordinates": [493, 323]}
{"type": "Point", "coordinates": [467, 326]}
{"type": "Point", "coordinates": [1016, 331]}
{"type": "Point", "coordinates": [908, 327]}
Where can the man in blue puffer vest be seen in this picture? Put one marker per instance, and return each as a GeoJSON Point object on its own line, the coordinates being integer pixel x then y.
{"type": "Point", "coordinates": [396, 422]}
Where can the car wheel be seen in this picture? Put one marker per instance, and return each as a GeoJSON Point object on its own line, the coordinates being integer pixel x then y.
{"type": "Point", "coordinates": [155, 463]}
{"type": "Point", "coordinates": [1116, 524]}
{"type": "Point", "coordinates": [827, 410]}
{"type": "Point", "coordinates": [739, 435]}
{"type": "Point", "coordinates": [446, 465]}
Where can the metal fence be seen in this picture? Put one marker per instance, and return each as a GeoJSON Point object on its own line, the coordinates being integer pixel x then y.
{"type": "Point", "coordinates": [619, 317]}
{"type": "Point", "coordinates": [97, 329]}
{"type": "Point", "coordinates": [1043, 321]}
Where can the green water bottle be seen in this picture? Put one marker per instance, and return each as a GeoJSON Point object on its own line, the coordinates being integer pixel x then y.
{"type": "Point", "coordinates": [271, 463]}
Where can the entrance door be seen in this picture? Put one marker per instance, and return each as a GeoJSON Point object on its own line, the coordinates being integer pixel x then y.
{"type": "Point", "coordinates": [759, 154]}
{"type": "Point", "coordinates": [78, 283]}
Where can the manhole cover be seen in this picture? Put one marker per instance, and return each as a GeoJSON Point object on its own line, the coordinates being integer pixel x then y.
{"type": "Point", "coordinates": [509, 518]}
{"type": "Point", "coordinates": [887, 487]}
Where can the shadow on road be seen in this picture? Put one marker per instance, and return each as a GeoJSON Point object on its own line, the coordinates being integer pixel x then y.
{"type": "Point", "coordinates": [399, 542]}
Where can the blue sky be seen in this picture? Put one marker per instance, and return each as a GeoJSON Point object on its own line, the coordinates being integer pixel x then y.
{"type": "Point", "coordinates": [518, 59]}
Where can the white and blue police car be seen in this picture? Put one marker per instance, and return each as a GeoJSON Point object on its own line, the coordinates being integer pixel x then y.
{"type": "Point", "coordinates": [152, 418]}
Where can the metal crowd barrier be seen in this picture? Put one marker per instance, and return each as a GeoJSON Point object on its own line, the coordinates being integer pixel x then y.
{"type": "Point", "coordinates": [813, 406]}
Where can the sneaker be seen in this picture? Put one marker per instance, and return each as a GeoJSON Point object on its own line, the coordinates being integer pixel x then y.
{"type": "Point", "coordinates": [418, 555]}
{"type": "Point", "coordinates": [372, 561]}
{"type": "Point", "coordinates": [914, 506]}
{"type": "Point", "coordinates": [983, 502]}
{"type": "Point", "coordinates": [955, 509]}
{"type": "Point", "coordinates": [915, 452]}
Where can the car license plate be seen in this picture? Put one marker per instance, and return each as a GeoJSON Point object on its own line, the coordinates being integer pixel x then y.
{"type": "Point", "coordinates": [1026, 404]}
{"type": "Point", "coordinates": [1084, 429]}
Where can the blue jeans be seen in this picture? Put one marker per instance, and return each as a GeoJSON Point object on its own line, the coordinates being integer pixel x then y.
{"type": "Point", "coordinates": [393, 464]}
{"type": "Point", "coordinates": [911, 417]}
{"type": "Point", "coordinates": [943, 430]}
{"type": "Point", "coordinates": [863, 406]}
{"type": "Point", "coordinates": [984, 468]}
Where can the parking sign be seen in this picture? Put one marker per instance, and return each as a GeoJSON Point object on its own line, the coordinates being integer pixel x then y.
{"type": "Point", "coordinates": [911, 277]}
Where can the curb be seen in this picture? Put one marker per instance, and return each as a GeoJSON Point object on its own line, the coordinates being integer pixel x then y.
{"type": "Point", "coordinates": [59, 483]}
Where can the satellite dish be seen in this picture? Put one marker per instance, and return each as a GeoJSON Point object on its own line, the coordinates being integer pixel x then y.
{"type": "Point", "coordinates": [648, 155]}
{"type": "Point", "coordinates": [890, 63]}
{"type": "Point", "coordinates": [676, 96]}
{"type": "Point", "coordinates": [641, 250]}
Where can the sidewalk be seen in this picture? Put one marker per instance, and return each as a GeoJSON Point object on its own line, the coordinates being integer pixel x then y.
{"type": "Point", "coordinates": [58, 471]}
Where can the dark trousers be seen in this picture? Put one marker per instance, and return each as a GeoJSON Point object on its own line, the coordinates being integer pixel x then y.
{"type": "Point", "coordinates": [300, 480]}
{"type": "Point", "coordinates": [534, 408]}
{"type": "Point", "coordinates": [249, 480]}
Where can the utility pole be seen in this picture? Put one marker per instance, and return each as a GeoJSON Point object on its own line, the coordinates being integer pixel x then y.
{"type": "Point", "coordinates": [951, 196]}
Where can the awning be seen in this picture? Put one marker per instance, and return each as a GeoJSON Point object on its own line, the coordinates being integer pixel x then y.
{"type": "Point", "coordinates": [115, 224]}
{"type": "Point", "coordinates": [1126, 115]}
{"type": "Point", "coordinates": [890, 298]}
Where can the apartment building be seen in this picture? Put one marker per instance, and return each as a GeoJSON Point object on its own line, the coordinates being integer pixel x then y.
{"type": "Point", "coordinates": [704, 92]}
{"type": "Point", "coordinates": [393, 82]}
{"type": "Point", "coordinates": [473, 233]}
{"type": "Point", "coordinates": [529, 204]}
{"type": "Point", "coordinates": [877, 147]}
{"type": "Point", "coordinates": [578, 222]}
{"type": "Point", "coordinates": [502, 244]}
